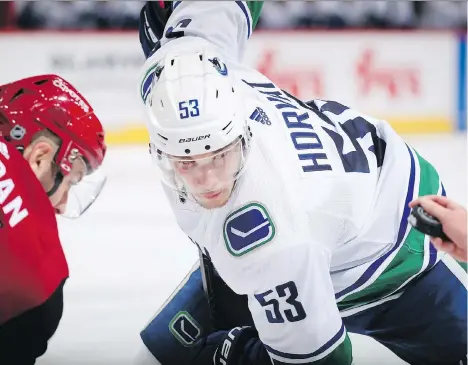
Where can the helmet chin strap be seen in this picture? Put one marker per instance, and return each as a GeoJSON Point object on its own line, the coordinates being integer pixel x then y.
{"type": "Point", "coordinates": [57, 182]}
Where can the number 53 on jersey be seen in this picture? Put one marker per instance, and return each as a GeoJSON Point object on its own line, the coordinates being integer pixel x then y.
{"type": "Point", "coordinates": [282, 304]}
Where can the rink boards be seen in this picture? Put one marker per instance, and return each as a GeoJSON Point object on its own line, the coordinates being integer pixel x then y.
{"type": "Point", "coordinates": [414, 79]}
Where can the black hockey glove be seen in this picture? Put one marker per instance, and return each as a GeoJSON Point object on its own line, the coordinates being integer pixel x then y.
{"type": "Point", "coordinates": [153, 18]}
{"type": "Point", "coordinates": [239, 346]}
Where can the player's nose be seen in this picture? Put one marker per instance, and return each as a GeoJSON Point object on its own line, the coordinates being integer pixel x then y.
{"type": "Point", "coordinates": [208, 177]}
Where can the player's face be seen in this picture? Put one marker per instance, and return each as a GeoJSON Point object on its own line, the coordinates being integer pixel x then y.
{"type": "Point", "coordinates": [210, 177]}
{"type": "Point", "coordinates": [57, 185]}
{"type": "Point", "coordinates": [59, 198]}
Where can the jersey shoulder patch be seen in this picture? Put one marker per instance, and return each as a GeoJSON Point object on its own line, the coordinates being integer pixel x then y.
{"type": "Point", "coordinates": [248, 228]}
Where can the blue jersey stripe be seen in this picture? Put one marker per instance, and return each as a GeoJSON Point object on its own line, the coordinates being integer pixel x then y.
{"type": "Point", "coordinates": [401, 234]}
{"type": "Point", "coordinates": [246, 13]}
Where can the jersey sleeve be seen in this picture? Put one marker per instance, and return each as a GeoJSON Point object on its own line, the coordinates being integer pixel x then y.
{"type": "Point", "coordinates": [295, 312]}
{"type": "Point", "coordinates": [226, 24]}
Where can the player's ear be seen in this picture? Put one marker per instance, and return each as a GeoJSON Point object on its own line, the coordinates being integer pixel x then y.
{"type": "Point", "coordinates": [39, 155]}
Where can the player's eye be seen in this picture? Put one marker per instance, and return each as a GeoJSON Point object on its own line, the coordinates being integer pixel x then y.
{"type": "Point", "coordinates": [218, 160]}
{"type": "Point", "coordinates": [220, 156]}
{"type": "Point", "coordinates": [186, 165]}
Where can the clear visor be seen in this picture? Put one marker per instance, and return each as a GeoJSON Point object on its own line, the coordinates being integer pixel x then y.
{"type": "Point", "coordinates": [204, 174]}
{"type": "Point", "coordinates": [78, 190]}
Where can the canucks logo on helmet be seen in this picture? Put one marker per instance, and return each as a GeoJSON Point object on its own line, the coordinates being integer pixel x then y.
{"type": "Point", "coordinates": [151, 76]}
{"type": "Point", "coordinates": [219, 66]}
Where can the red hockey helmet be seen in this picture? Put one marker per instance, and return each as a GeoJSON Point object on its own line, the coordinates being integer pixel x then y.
{"type": "Point", "coordinates": [48, 102]}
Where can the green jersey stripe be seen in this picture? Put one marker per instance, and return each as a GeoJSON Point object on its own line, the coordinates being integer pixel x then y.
{"type": "Point", "coordinates": [414, 257]}
{"type": "Point", "coordinates": [255, 8]}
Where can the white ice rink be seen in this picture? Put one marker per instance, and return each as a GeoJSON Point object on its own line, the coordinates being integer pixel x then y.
{"type": "Point", "coordinates": [126, 255]}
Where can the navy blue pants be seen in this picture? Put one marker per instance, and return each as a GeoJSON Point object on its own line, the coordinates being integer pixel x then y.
{"type": "Point", "coordinates": [426, 325]}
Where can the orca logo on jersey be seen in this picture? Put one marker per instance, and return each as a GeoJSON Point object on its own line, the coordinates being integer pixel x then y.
{"type": "Point", "coordinates": [247, 228]}
{"type": "Point", "coordinates": [185, 328]}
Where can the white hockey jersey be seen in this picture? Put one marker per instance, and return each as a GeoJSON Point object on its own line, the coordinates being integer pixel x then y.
{"type": "Point", "coordinates": [317, 222]}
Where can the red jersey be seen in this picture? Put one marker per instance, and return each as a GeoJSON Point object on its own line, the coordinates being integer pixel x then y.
{"type": "Point", "coordinates": [32, 262]}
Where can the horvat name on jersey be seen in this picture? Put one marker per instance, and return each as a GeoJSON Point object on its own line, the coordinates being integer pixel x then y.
{"type": "Point", "coordinates": [305, 140]}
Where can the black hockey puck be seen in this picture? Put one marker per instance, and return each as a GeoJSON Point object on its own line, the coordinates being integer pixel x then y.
{"type": "Point", "coordinates": [426, 223]}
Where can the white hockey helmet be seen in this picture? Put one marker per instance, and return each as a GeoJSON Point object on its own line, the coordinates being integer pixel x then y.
{"type": "Point", "coordinates": [197, 120]}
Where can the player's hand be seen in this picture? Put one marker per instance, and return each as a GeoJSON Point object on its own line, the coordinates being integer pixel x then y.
{"type": "Point", "coordinates": [226, 347]}
{"type": "Point", "coordinates": [453, 218]}
{"type": "Point", "coordinates": [153, 18]}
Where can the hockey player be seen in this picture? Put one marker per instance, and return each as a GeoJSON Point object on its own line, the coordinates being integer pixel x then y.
{"type": "Point", "coordinates": [51, 148]}
{"type": "Point", "coordinates": [299, 209]}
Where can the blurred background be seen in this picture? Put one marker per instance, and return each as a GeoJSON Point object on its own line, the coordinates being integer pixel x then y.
{"type": "Point", "coordinates": [101, 15]}
{"type": "Point", "coordinates": [402, 61]}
